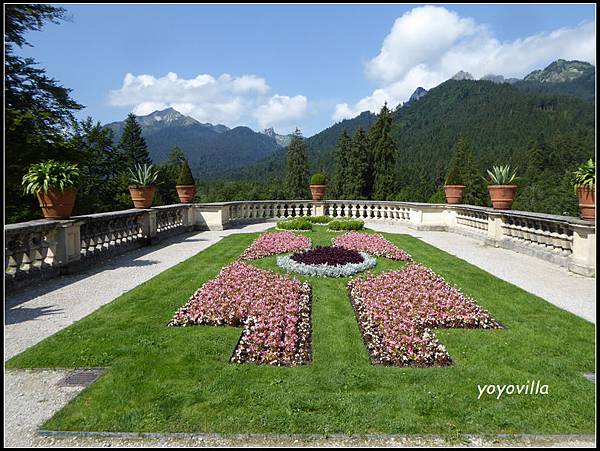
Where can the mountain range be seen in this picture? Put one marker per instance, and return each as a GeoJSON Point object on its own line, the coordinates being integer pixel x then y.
{"type": "Point", "coordinates": [241, 153]}
{"type": "Point", "coordinates": [209, 148]}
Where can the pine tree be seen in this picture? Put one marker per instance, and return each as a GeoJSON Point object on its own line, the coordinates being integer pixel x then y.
{"type": "Point", "coordinates": [340, 156]}
{"type": "Point", "coordinates": [535, 160]}
{"type": "Point", "coordinates": [132, 143]}
{"type": "Point", "coordinates": [356, 185]}
{"type": "Point", "coordinates": [475, 190]}
{"type": "Point", "coordinates": [384, 157]}
{"type": "Point", "coordinates": [297, 168]}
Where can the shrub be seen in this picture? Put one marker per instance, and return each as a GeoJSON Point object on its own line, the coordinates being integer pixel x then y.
{"type": "Point", "coordinates": [454, 176]}
{"type": "Point", "coordinates": [346, 224]}
{"type": "Point", "coordinates": [585, 175]}
{"type": "Point", "coordinates": [318, 179]}
{"type": "Point", "coordinates": [295, 224]}
{"type": "Point", "coordinates": [319, 219]}
{"type": "Point", "coordinates": [185, 175]}
{"type": "Point", "coordinates": [144, 175]}
{"type": "Point", "coordinates": [50, 174]}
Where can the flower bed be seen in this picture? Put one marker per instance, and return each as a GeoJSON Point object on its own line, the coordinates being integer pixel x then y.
{"type": "Point", "coordinates": [371, 243]}
{"type": "Point", "coordinates": [274, 310]}
{"type": "Point", "coordinates": [276, 243]}
{"type": "Point", "coordinates": [327, 262]}
{"type": "Point", "coordinates": [395, 311]}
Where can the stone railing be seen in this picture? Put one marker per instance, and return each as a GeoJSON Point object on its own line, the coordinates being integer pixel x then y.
{"type": "Point", "coordinates": [563, 240]}
{"type": "Point", "coordinates": [37, 250]}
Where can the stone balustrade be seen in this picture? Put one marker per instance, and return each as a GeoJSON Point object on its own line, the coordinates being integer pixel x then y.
{"type": "Point", "coordinates": [37, 250]}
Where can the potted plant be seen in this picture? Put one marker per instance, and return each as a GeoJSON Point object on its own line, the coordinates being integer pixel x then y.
{"type": "Point", "coordinates": [54, 184]}
{"type": "Point", "coordinates": [454, 187]}
{"type": "Point", "coordinates": [318, 186]}
{"type": "Point", "coordinates": [142, 190]}
{"type": "Point", "coordinates": [585, 187]}
{"type": "Point", "coordinates": [186, 185]}
{"type": "Point", "coordinates": [502, 191]}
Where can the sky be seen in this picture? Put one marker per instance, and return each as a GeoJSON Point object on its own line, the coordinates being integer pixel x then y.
{"type": "Point", "coordinates": [288, 66]}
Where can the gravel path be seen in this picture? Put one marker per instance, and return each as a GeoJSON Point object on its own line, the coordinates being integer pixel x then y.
{"type": "Point", "coordinates": [33, 396]}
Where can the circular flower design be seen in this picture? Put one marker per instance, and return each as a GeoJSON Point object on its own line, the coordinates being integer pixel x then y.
{"type": "Point", "coordinates": [327, 262]}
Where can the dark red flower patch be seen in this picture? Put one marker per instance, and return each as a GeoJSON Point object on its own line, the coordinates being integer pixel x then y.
{"type": "Point", "coordinates": [332, 256]}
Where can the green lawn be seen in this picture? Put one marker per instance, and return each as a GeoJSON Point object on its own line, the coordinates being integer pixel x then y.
{"type": "Point", "coordinates": [164, 379]}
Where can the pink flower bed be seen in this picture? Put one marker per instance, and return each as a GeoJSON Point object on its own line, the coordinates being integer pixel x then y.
{"type": "Point", "coordinates": [396, 310]}
{"type": "Point", "coordinates": [276, 243]}
{"type": "Point", "coordinates": [370, 243]}
{"type": "Point", "coordinates": [274, 310]}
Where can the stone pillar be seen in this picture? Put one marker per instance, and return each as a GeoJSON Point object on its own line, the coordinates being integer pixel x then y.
{"type": "Point", "coordinates": [416, 218]}
{"type": "Point", "coordinates": [583, 258]}
{"type": "Point", "coordinates": [68, 243]}
{"type": "Point", "coordinates": [211, 217]}
{"type": "Point", "coordinates": [495, 230]}
{"type": "Point", "coordinates": [318, 209]}
{"type": "Point", "coordinates": [149, 226]}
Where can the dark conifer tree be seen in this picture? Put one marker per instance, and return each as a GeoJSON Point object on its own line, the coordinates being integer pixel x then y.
{"type": "Point", "coordinates": [356, 186]}
{"type": "Point", "coordinates": [297, 168]}
{"type": "Point", "coordinates": [384, 157]}
{"type": "Point", "coordinates": [132, 144]}
{"type": "Point", "coordinates": [341, 155]}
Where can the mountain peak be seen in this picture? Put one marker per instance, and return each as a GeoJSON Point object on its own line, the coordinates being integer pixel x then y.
{"type": "Point", "coordinates": [561, 71]}
{"type": "Point", "coordinates": [419, 92]}
{"type": "Point", "coordinates": [462, 75]}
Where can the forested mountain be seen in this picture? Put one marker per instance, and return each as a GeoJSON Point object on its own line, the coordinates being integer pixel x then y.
{"type": "Point", "coordinates": [575, 78]}
{"type": "Point", "coordinates": [501, 122]}
{"type": "Point", "coordinates": [210, 149]}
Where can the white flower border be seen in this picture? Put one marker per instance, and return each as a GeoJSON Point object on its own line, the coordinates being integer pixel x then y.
{"type": "Point", "coordinates": [286, 262]}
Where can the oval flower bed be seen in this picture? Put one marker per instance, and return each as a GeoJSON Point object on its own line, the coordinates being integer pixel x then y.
{"type": "Point", "coordinates": [327, 262]}
{"type": "Point", "coordinates": [276, 243]}
{"type": "Point", "coordinates": [372, 243]}
{"type": "Point", "coordinates": [274, 310]}
{"type": "Point", "coordinates": [396, 311]}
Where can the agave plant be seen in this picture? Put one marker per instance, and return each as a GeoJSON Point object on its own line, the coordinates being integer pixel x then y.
{"type": "Point", "coordinates": [501, 175]}
{"type": "Point", "coordinates": [48, 174]}
{"type": "Point", "coordinates": [585, 175]}
{"type": "Point", "coordinates": [144, 175]}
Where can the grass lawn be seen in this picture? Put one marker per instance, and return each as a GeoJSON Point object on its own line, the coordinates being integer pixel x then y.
{"type": "Point", "coordinates": [164, 379]}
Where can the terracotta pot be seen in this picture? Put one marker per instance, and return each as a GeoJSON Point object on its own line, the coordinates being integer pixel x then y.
{"type": "Point", "coordinates": [454, 193]}
{"type": "Point", "coordinates": [318, 191]}
{"type": "Point", "coordinates": [57, 204]}
{"type": "Point", "coordinates": [587, 202]}
{"type": "Point", "coordinates": [142, 196]}
{"type": "Point", "coordinates": [186, 193]}
{"type": "Point", "coordinates": [502, 196]}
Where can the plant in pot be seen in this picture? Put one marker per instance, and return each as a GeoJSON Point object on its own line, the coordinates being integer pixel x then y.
{"type": "Point", "coordinates": [502, 190]}
{"type": "Point", "coordinates": [186, 185]}
{"type": "Point", "coordinates": [454, 187]}
{"type": "Point", "coordinates": [141, 189]}
{"type": "Point", "coordinates": [585, 188]}
{"type": "Point", "coordinates": [54, 184]}
{"type": "Point", "coordinates": [318, 186]}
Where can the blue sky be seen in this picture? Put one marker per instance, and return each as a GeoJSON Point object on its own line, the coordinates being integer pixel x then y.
{"type": "Point", "coordinates": [293, 65]}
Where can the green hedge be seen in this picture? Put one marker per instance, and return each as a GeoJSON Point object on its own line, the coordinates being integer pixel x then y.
{"type": "Point", "coordinates": [319, 219]}
{"type": "Point", "coordinates": [347, 224]}
{"type": "Point", "coordinates": [295, 224]}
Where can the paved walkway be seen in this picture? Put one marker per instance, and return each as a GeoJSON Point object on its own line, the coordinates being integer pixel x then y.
{"type": "Point", "coordinates": [32, 397]}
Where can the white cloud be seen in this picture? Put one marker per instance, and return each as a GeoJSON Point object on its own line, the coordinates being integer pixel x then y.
{"type": "Point", "coordinates": [281, 110]}
{"type": "Point", "coordinates": [227, 99]}
{"type": "Point", "coordinates": [429, 44]}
